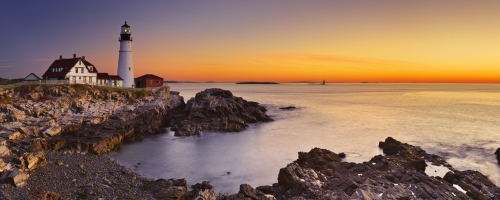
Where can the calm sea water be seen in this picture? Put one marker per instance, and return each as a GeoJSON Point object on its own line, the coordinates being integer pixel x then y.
{"type": "Point", "coordinates": [458, 121]}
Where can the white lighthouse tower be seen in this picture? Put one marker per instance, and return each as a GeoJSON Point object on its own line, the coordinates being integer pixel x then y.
{"type": "Point", "coordinates": [125, 68]}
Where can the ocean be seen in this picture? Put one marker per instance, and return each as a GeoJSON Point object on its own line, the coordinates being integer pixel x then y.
{"type": "Point", "coordinates": [460, 122]}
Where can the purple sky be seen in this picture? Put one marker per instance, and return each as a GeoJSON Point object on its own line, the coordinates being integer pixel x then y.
{"type": "Point", "coordinates": [292, 40]}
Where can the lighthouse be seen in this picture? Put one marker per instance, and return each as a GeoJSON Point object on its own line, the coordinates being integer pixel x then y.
{"type": "Point", "coordinates": [125, 67]}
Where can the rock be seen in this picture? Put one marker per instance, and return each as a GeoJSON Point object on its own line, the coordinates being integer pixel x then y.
{"type": "Point", "coordinates": [497, 152]}
{"type": "Point", "coordinates": [266, 189]}
{"type": "Point", "coordinates": [342, 155]}
{"type": "Point", "coordinates": [215, 110]}
{"type": "Point", "coordinates": [54, 143]}
{"type": "Point", "coordinates": [52, 131]}
{"type": "Point", "coordinates": [11, 135]}
{"type": "Point", "coordinates": [4, 149]}
{"type": "Point", "coordinates": [14, 177]}
{"type": "Point", "coordinates": [33, 160]}
{"type": "Point", "coordinates": [288, 108]}
{"type": "Point", "coordinates": [167, 189]}
{"type": "Point", "coordinates": [202, 186]}
{"type": "Point", "coordinates": [320, 174]}
{"type": "Point", "coordinates": [52, 196]}
{"type": "Point", "coordinates": [250, 192]}
{"type": "Point", "coordinates": [247, 192]}
{"type": "Point", "coordinates": [208, 195]}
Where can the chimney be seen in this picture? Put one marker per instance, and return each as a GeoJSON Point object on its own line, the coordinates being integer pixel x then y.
{"type": "Point", "coordinates": [83, 57]}
{"type": "Point", "coordinates": [74, 55]}
{"type": "Point", "coordinates": [60, 57]}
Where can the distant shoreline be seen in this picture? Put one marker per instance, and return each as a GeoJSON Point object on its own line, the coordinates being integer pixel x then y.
{"type": "Point", "coordinates": [252, 82]}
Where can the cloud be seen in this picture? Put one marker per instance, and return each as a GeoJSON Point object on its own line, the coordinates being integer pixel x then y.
{"type": "Point", "coordinates": [41, 60]}
{"type": "Point", "coordinates": [237, 65]}
{"type": "Point", "coordinates": [301, 57]}
{"type": "Point", "coordinates": [6, 66]}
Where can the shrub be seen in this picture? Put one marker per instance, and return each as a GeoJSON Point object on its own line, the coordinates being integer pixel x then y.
{"type": "Point", "coordinates": [138, 94]}
{"type": "Point", "coordinates": [141, 93]}
{"type": "Point", "coordinates": [78, 87]}
{"type": "Point", "coordinates": [132, 98]}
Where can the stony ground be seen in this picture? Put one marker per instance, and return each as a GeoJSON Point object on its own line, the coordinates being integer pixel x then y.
{"type": "Point", "coordinates": [79, 176]}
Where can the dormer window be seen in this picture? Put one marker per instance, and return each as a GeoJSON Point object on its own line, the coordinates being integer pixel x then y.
{"type": "Point", "coordinates": [91, 68]}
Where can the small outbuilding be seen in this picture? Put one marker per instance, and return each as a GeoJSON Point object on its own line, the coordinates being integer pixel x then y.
{"type": "Point", "coordinates": [148, 81]}
{"type": "Point", "coordinates": [32, 77]}
{"type": "Point", "coordinates": [116, 80]}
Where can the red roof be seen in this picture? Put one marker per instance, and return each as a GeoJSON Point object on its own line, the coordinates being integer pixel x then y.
{"type": "Point", "coordinates": [148, 76]}
{"type": "Point", "coordinates": [115, 77]}
{"type": "Point", "coordinates": [102, 76]}
{"type": "Point", "coordinates": [66, 64]}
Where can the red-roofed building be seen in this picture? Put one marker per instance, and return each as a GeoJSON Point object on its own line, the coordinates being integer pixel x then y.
{"type": "Point", "coordinates": [76, 70]}
{"type": "Point", "coordinates": [116, 80]}
{"type": "Point", "coordinates": [109, 80]}
{"type": "Point", "coordinates": [148, 80]}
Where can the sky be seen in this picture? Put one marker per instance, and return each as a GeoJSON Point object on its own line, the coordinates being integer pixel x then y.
{"type": "Point", "coordinates": [282, 41]}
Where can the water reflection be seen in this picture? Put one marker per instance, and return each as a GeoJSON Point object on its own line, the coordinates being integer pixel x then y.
{"type": "Point", "coordinates": [457, 121]}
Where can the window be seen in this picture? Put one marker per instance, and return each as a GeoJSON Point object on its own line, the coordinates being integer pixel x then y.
{"type": "Point", "coordinates": [129, 69]}
{"type": "Point", "coordinates": [80, 63]}
{"type": "Point", "coordinates": [80, 78]}
{"type": "Point", "coordinates": [76, 70]}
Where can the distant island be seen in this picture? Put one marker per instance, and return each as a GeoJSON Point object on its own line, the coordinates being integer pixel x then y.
{"type": "Point", "coordinates": [253, 82]}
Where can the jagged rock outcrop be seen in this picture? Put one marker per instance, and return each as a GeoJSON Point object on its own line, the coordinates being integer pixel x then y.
{"type": "Point", "coordinates": [80, 117]}
{"type": "Point", "coordinates": [216, 110]}
{"type": "Point", "coordinates": [497, 152]}
{"type": "Point", "coordinates": [167, 189]}
{"type": "Point", "coordinates": [400, 174]}
{"type": "Point", "coordinates": [247, 192]}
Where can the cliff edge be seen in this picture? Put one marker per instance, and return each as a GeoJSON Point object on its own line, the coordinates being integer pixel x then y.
{"type": "Point", "coordinates": [36, 118]}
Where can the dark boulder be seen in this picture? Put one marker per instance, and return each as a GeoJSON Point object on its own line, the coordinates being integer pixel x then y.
{"type": "Point", "coordinates": [288, 108]}
{"type": "Point", "coordinates": [266, 189]}
{"type": "Point", "coordinates": [497, 152]}
{"type": "Point", "coordinates": [320, 174]}
{"type": "Point", "coordinates": [167, 189]}
{"type": "Point", "coordinates": [342, 155]}
{"type": "Point", "coordinates": [215, 110]}
{"type": "Point", "coordinates": [202, 186]}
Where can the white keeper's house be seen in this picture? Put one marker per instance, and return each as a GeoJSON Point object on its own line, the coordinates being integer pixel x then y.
{"type": "Point", "coordinates": [77, 70]}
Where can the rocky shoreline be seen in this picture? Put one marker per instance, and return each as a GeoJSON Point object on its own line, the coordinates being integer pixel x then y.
{"type": "Point", "coordinates": [318, 174]}
{"type": "Point", "coordinates": [51, 139]}
{"type": "Point", "coordinates": [35, 119]}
